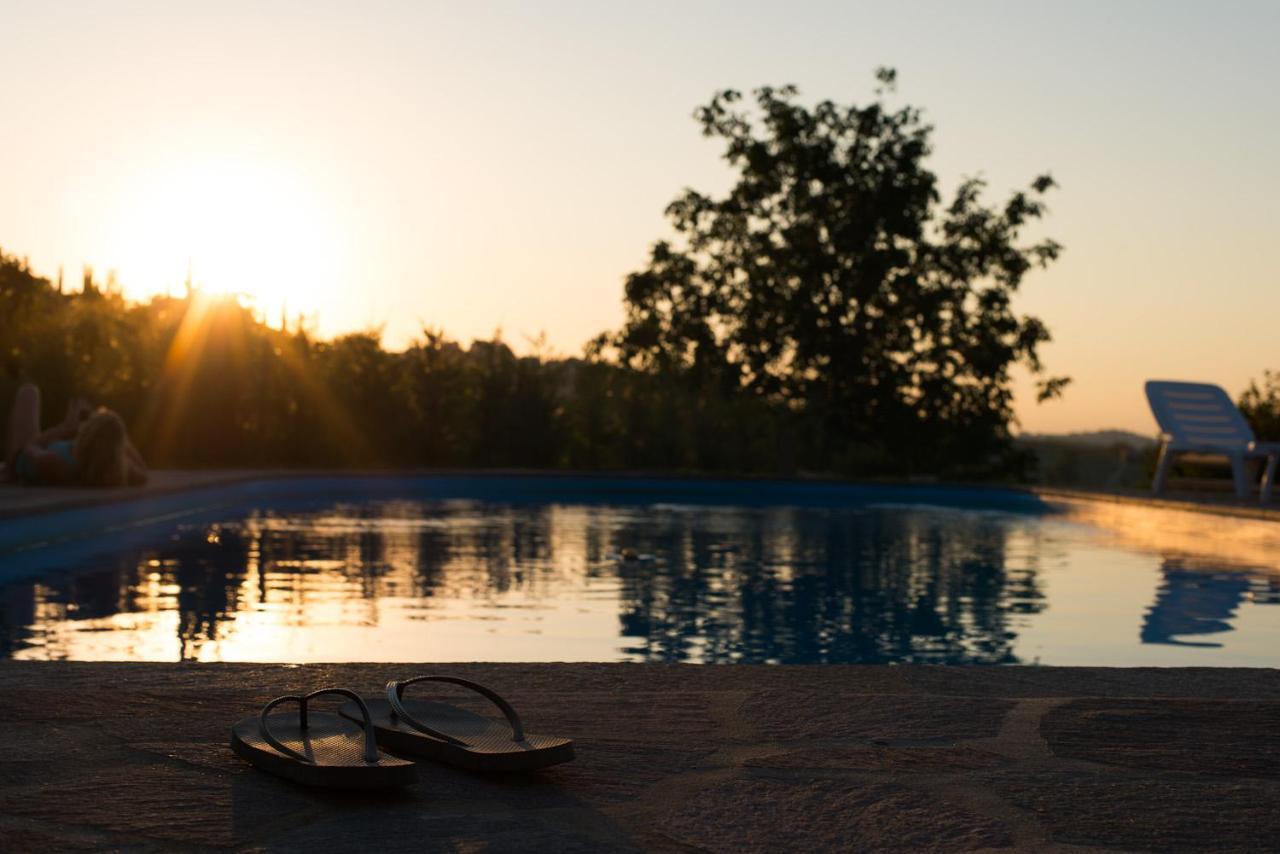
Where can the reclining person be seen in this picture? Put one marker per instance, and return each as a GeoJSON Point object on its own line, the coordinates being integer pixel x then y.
{"type": "Point", "coordinates": [88, 448]}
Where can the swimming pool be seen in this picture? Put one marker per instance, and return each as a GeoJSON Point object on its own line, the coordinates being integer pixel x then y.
{"type": "Point", "coordinates": [629, 569]}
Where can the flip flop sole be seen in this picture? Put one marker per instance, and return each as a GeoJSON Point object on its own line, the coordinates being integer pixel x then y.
{"type": "Point", "coordinates": [489, 746]}
{"type": "Point", "coordinates": [335, 743]}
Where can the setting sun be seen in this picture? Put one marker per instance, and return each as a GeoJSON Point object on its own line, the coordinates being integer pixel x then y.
{"type": "Point", "coordinates": [235, 226]}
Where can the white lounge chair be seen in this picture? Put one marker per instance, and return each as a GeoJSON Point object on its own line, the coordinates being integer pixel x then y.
{"type": "Point", "coordinates": [1199, 418]}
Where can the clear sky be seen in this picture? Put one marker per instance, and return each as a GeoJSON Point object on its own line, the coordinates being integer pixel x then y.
{"type": "Point", "coordinates": [476, 166]}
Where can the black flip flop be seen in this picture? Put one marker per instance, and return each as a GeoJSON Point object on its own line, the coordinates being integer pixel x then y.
{"type": "Point", "coordinates": [320, 748]}
{"type": "Point", "coordinates": [455, 736]}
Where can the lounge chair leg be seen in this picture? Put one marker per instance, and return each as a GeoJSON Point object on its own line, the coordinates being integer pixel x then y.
{"type": "Point", "coordinates": [1240, 474]}
{"type": "Point", "coordinates": [1162, 469]}
{"type": "Point", "coordinates": [1269, 478]}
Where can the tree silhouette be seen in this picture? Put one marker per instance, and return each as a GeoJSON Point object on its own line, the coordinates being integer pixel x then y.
{"type": "Point", "coordinates": [828, 313]}
{"type": "Point", "coordinates": [832, 283]}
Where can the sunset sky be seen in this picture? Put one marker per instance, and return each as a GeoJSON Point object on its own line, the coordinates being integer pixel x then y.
{"type": "Point", "coordinates": [475, 166]}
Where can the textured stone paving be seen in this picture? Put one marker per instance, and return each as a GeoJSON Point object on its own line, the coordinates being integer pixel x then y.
{"type": "Point", "coordinates": [683, 758]}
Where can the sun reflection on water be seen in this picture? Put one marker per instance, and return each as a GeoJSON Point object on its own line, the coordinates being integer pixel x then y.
{"type": "Point", "coordinates": [409, 580]}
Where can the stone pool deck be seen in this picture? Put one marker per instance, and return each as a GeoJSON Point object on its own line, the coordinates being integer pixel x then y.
{"type": "Point", "coordinates": [671, 758]}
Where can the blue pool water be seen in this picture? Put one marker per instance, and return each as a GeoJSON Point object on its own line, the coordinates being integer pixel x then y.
{"type": "Point", "coordinates": [582, 569]}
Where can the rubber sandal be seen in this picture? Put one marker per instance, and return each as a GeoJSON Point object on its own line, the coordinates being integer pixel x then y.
{"type": "Point", "coordinates": [455, 736]}
{"type": "Point", "coordinates": [320, 748]}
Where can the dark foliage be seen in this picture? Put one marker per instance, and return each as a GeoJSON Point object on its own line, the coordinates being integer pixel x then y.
{"type": "Point", "coordinates": [1261, 406]}
{"type": "Point", "coordinates": [202, 382]}
{"type": "Point", "coordinates": [831, 288]}
{"type": "Point", "coordinates": [827, 314]}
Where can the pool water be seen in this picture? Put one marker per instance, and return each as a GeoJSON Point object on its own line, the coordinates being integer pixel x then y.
{"type": "Point", "coordinates": [445, 570]}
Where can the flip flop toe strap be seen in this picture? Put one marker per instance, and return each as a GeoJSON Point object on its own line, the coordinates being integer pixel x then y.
{"type": "Point", "coordinates": [395, 696]}
{"type": "Point", "coordinates": [371, 754]}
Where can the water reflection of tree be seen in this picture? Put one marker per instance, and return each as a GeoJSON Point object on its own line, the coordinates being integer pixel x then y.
{"type": "Point", "coordinates": [714, 585]}
{"type": "Point", "coordinates": [777, 585]}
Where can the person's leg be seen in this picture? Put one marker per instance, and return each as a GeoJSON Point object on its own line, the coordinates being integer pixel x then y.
{"type": "Point", "coordinates": [24, 421]}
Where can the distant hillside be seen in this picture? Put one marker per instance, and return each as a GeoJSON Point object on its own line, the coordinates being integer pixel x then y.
{"type": "Point", "coordinates": [1094, 439]}
{"type": "Point", "coordinates": [1092, 460]}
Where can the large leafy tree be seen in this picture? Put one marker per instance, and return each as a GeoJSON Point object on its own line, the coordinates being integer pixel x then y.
{"type": "Point", "coordinates": [833, 282]}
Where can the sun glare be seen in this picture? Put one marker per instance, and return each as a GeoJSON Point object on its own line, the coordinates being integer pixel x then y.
{"type": "Point", "coordinates": [236, 227]}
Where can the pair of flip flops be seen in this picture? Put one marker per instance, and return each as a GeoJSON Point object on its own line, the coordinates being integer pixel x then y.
{"type": "Point", "coordinates": [341, 750]}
